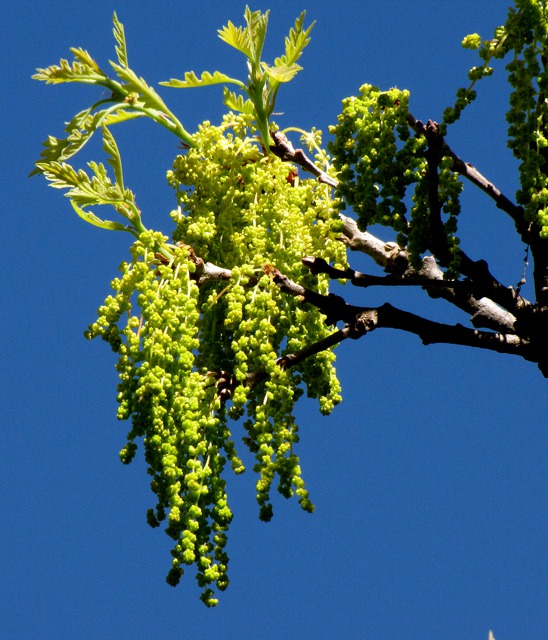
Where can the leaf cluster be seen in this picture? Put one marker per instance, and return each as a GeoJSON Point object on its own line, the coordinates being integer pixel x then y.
{"type": "Point", "coordinates": [130, 96]}
{"type": "Point", "coordinates": [195, 351]}
{"type": "Point", "coordinates": [263, 79]}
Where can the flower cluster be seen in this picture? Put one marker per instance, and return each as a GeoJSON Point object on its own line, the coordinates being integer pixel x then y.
{"type": "Point", "coordinates": [523, 39]}
{"type": "Point", "coordinates": [246, 211]}
{"type": "Point", "coordinates": [193, 353]}
{"type": "Point", "coordinates": [376, 157]}
{"type": "Point", "coordinates": [379, 158]}
{"type": "Point", "coordinates": [152, 324]}
{"type": "Point", "coordinates": [526, 32]}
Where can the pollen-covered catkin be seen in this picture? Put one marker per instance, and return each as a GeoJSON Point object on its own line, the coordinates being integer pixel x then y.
{"type": "Point", "coordinates": [191, 354]}
{"type": "Point", "coordinates": [385, 175]}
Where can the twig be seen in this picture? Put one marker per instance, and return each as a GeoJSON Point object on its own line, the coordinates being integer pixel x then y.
{"type": "Point", "coordinates": [362, 320]}
{"type": "Point", "coordinates": [283, 148]}
{"type": "Point", "coordinates": [293, 359]}
{"type": "Point", "coordinates": [410, 279]}
{"type": "Point", "coordinates": [473, 175]}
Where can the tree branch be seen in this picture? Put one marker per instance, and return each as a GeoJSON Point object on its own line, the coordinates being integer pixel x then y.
{"type": "Point", "coordinates": [293, 359]}
{"type": "Point", "coordinates": [431, 332]}
{"type": "Point", "coordinates": [205, 271]}
{"type": "Point", "coordinates": [395, 260]}
{"type": "Point", "coordinates": [478, 271]}
{"type": "Point", "coordinates": [473, 175]}
{"type": "Point", "coordinates": [410, 279]}
{"type": "Point", "coordinates": [493, 294]}
{"type": "Point", "coordinates": [283, 148]}
{"type": "Point", "coordinates": [362, 320]}
{"type": "Point", "coordinates": [532, 320]}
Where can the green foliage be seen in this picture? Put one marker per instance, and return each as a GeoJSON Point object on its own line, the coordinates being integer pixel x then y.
{"type": "Point", "coordinates": [202, 330]}
{"type": "Point", "coordinates": [99, 189]}
{"type": "Point", "coordinates": [263, 80]}
{"type": "Point", "coordinates": [130, 97]}
{"type": "Point", "coordinates": [205, 80]}
{"type": "Point", "coordinates": [199, 354]}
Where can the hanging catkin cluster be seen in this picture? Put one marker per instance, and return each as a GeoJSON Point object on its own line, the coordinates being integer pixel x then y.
{"type": "Point", "coordinates": [383, 171]}
{"type": "Point", "coordinates": [526, 40]}
{"type": "Point", "coordinates": [523, 42]}
{"type": "Point", "coordinates": [193, 354]}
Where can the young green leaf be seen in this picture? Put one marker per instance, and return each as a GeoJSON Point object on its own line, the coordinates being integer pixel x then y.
{"type": "Point", "coordinates": [295, 42]}
{"type": "Point", "coordinates": [60, 174]}
{"type": "Point", "coordinates": [90, 217]}
{"type": "Point", "coordinates": [54, 149]}
{"type": "Point", "coordinates": [134, 84]}
{"type": "Point", "coordinates": [119, 36]}
{"type": "Point", "coordinates": [111, 149]}
{"type": "Point", "coordinates": [82, 188]}
{"type": "Point", "coordinates": [80, 129]}
{"type": "Point", "coordinates": [237, 102]}
{"type": "Point", "coordinates": [281, 73]}
{"type": "Point", "coordinates": [122, 114]}
{"type": "Point", "coordinates": [257, 24]}
{"type": "Point", "coordinates": [83, 69]}
{"type": "Point", "coordinates": [98, 189]}
{"type": "Point", "coordinates": [205, 80]}
{"type": "Point", "coordinates": [236, 37]}
{"type": "Point", "coordinates": [143, 97]}
{"type": "Point", "coordinates": [249, 40]}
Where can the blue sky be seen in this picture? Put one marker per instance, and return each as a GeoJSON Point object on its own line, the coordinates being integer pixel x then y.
{"type": "Point", "coordinates": [429, 480]}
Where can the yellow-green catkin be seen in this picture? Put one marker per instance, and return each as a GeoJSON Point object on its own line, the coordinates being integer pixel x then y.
{"type": "Point", "coordinates": [193, 354]}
